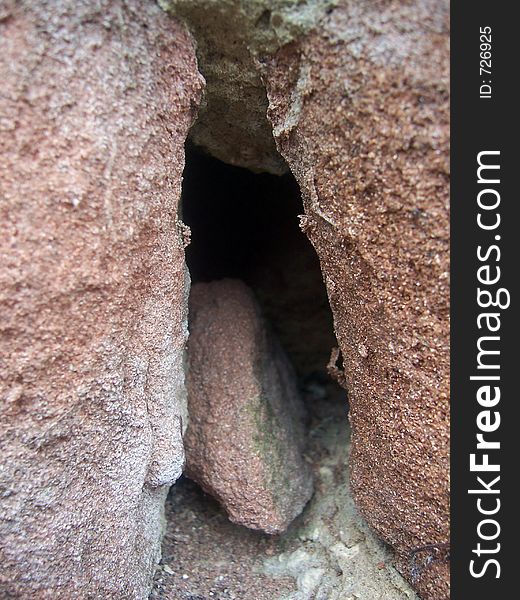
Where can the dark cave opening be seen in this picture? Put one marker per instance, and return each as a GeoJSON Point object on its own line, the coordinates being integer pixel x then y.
{"type": "Point", "coordinates": [245, 225]}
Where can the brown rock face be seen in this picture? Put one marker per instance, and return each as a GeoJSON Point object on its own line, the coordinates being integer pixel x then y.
{"type": "Point", "coordinates": [360, 112]}
{"type": "Point", "coordinates": [245, 437]}
{"type": "Point", "coordinates": [96, 102]}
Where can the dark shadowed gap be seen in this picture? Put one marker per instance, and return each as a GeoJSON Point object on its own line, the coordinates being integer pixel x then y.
{"type": "Point", "coordinates": [245, 225]}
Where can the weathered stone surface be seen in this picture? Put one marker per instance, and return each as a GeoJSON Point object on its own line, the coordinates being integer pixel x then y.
{"type": "Point", "coordinates": [360, 112]}
{"type": "Point", "coordinates": [333, 554]}
{"type": "Point", "coordinates": [329, 553]}
{"type": "Point", "coordinates": [246, 433]}
{"type": "Point", "coordinates": [96, 102]}
{"type": "Point", "coordinates": [358, 102]}
{"type": "Point", "coordinates": [232, 36]}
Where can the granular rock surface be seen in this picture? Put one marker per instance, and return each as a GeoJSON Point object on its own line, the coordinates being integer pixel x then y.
{"type": "Point", "coordinates": [246, 435]}
{"type": "Point", "coordinates": [360, 112]}
{"type": "Point", "coordinates": [96, 102]}
{"type": "Point", "coordinates": [328, 553]}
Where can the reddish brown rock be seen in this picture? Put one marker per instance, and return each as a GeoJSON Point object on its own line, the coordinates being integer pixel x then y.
{"type": "Point", "coordinates": [96, 102]}
{"type": "Point", "coordinates": [246, 434]}
{"type": "Point", "coordinates": [360, 112]}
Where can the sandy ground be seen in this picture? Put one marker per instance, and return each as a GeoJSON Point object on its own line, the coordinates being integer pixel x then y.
{"type": "Point", "coordinates": [329, 553]}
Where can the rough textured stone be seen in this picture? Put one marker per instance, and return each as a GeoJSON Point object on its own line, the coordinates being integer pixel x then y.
{"type": "Point", "coordinates": [245, 437]}
{"type": "Point", "coordinates": [360, 112]}
{"type": "Point", "coordinates": [329, 553]}
{"type": "Point", "coordinates": [332, 553]}
{"type": "Point", "coordinates": [358, 101]}
{"type": "Point", "coordinates": [232, 36]}
{"type": "Point", "coordinates": [96, 102]}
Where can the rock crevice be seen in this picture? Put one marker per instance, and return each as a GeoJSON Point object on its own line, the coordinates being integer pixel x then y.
{"type": "Point", "coordinates": [97, 102]}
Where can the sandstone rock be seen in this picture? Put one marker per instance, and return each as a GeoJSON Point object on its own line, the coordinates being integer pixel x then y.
{"type": "Point", "coordinates": [95, 105]}
{"type": "Point", "coordinates": [360, 112]}
{"type": "Point", "coordinates": [245, 436]}
{"type": "Point", "coordinates": [232, 37]}
{"type": "Point", "coordinates": [96, 102]}
{"type": "Point", "coordinates": [358, 102]}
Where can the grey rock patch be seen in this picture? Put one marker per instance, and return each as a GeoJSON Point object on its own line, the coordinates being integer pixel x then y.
{"type": "Point", "coordinates": [328, 553]}
{"type": "Point", "coordinates": [233, 38]}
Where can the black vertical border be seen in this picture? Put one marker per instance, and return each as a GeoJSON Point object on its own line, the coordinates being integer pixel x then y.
{"type": "Point", "coordinates": [476, 125]}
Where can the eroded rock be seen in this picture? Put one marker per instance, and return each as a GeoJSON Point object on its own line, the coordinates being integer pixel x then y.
{"type": "Point", "coordinates": [246, 433]}
{"type": "Point", "coordinates": [232, 37]}
{"type": "Point", "coordinates": [360, 112]}
{"type": "Point", "coordinates": [96, 102]}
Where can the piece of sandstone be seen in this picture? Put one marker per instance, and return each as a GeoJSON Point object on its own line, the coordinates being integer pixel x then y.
{"type": "Point", "coordinates": [246, 431]}
{"type": "Point", "coordinates": [359, 107]}
{"type": "Point", "coordinates": [96, 102]}
{"type": "Point", "coordinates": [360, 112]}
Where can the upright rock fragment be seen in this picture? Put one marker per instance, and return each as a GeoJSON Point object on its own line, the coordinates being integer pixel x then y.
{"type": "Point", "coordinates": [96, 102]}
{"type": "Point", "coordinates": [246, 433]}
